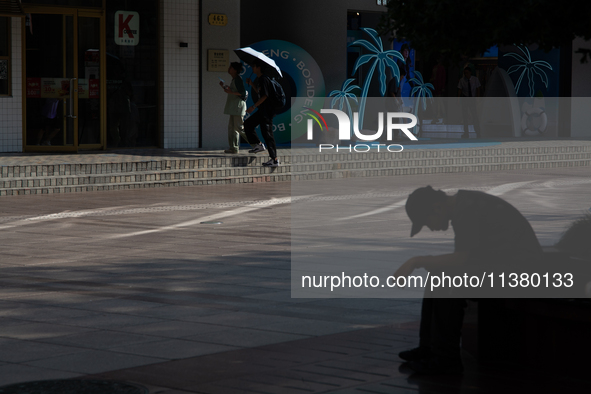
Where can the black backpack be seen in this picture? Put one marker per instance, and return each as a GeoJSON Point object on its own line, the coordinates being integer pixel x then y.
{"type": "Point", "coordinates": [278, 99]}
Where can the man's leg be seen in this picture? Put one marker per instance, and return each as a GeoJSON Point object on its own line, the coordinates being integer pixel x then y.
{"type": "Point", "coordinates": [424, 349]}
{"type": "Point", "coordinates": [440, 333]}
{"type": "Point", "coordinates": [250, 125]}
{"type": "Point", "coordinates": [446, 327]}
{"type": "Point", "coordinates": [267, 132]}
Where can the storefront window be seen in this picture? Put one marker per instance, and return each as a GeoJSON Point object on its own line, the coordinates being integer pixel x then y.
{"type": "Point", "coordinates": [4, 56]}
{"type": "Point", "coordinates": [132, 73]}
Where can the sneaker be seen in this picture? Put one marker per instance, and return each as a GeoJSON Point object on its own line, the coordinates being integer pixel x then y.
{"type": "Point", "coordinates": [257, 149]}
{"type": "Point", "coordinates": [437, 366]}
{"type": "Point", "coordinates": [415, 354]}
{"type": "Point", "coordinates": [271, 163]}
{"type": "Point", "coordinates": [233, 151]}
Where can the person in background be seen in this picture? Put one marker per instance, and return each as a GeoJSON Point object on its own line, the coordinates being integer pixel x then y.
{"type": "Point", "coordinates": [261, 91]}
{"type": "Point", "coordinates": [235, 107]}
{"type": "Point", "coordinates": [406, 64]}
{"type": "Point", "coordinates": [468, 88]}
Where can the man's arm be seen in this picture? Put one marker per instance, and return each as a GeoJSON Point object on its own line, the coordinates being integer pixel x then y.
{"type": "Point", "coordinates": [258, 103]}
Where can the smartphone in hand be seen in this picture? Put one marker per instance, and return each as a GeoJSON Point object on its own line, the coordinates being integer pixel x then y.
{"type": "Point", "coordinates": [223, 83]}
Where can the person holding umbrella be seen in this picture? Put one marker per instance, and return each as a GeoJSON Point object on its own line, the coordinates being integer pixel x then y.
{"type": "Point", "coordinates": [262, 89]}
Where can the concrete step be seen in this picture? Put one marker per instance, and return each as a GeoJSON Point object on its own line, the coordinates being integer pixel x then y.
{"type": "Point", "coordinates": [297, 165]}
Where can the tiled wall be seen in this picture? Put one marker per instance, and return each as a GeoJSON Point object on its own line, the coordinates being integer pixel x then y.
{"type": "Point", "coordinates": [11, 119]}
{"type": "Point", "coordinates": [180, 73]}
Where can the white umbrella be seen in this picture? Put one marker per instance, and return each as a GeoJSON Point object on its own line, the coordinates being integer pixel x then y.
{"type": "Point", "coordinates": [249, 55]}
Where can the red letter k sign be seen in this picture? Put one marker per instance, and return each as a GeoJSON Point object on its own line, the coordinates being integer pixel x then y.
{"type": "Point", "coordinates": [124, 26]}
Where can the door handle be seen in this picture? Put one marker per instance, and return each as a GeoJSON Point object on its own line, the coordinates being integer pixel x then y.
{"type": "Point", "coordinates": [72, 98]}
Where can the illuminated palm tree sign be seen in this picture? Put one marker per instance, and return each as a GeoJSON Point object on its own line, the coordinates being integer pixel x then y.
{"type": "Point", "coordinates": [343, 96]}
{"type": "Point", "coordinates": [380, 59]}
{"type": "Point", "coordinates": [421, 92]}
{"type": "Point", "coordinates": [528, 68]}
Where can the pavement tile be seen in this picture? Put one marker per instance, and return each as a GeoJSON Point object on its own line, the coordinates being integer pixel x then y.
{"type": "Point", "coordinates": [244, 319]}
{"type": "Point", "coordinates": [322, 377]}
{"type": "Point", "coordinates": [47, 314]}
{"type": "Point", "coordinates": [172, 349]}
{"type": "Point", "coordinates": [249, 386]}
{"type": "Point", "coordinates": [100, 339]}
{"type": "Point", "coordinates": [37, 331]}
{"type": "Point", "coordinates": [181, 313]}
{"type": "Point", "coordinates": [215, 388]}
{"type": "Point", "coordinates": [280, 382]}
{"type": "Point", "coordinates": [313, 327]}
{"type": "Point", "coordinates": [119, 305]}
{"type": "Point", "coordinates": [173, 329]}
{"type": "Point", "coordinates": [110, 321]}
{"type": "Point", "coordinates": [17, 373]}
{"type": "Point", "coordinates": [18, 351]}
{"type": "Point", "coordinates": [93, 361]}
{"type": "Point", "coordinates": [244, 337]}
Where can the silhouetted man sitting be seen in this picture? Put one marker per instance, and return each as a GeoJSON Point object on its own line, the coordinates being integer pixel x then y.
{"type": "Point", "coordinates": [489, 232]}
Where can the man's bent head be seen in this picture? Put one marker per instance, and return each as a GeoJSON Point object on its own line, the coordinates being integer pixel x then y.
{"type": "Point", "coordinates": [425, 207]}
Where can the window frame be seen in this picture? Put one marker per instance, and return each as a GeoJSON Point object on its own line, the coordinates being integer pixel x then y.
{"type": "Point", "coordinates": [8, 56]}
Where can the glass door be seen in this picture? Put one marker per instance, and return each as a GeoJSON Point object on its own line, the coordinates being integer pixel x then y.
{"type": "Point", "coordinates": [63, 103]}
{"type": "Point", "coordinates": [51, 82]}
{"type": "Point", "coordinates": [89, 103]}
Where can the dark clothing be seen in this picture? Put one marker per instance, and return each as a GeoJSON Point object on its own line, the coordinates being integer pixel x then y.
{"type": "Point", "coordinates": [240, 87]}
{"type": "Point", "coordinates": [263, 116]}
{"type": "Point", "coordinates": [405, 65]}
{"type": "Point", "coordinates": [441, 326]}
{"type": "Point", "coordinates": [495, 235]}
{"type": "Point", "coordinates": [265, 88]}
{"type": "Point", "coordinates": [393, 88]}
{"type": "Point", "coordinates": [266, 123]}
{"type": "Point", "coordinates": [485, 225]}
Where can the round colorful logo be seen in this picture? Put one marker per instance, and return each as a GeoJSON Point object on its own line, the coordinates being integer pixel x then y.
{"type": "Point", "coordinates": [301, 78]}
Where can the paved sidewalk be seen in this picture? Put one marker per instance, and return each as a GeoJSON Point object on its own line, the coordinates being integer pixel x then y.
{"type": "Point", "coordinates": [357, 362]}
{"type": "Point", "coordinates": [137, 285]}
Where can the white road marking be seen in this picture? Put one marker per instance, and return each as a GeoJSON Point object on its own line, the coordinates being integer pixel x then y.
{"type": "Point", "coordinates": [234, 212]}
{"type": "Point", "coordinates": [376, 211]}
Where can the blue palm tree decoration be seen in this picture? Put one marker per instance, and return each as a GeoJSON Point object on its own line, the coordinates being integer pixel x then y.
{"type": "Point", "coordinates": [528, 68]}
{"type": "Point", "coordinates": [381, 59]}
{"type": "Point", "coordinates": [344, 95]}
{"type": "Point", "coordinates": [421, 92]}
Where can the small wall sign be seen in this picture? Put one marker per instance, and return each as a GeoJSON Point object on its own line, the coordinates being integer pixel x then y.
{"type": "Point", "coordinates": [218, 59]}
{"type": "Point", "coordinates": [218, 19]}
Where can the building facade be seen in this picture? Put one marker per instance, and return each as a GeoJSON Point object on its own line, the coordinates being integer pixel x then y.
{"type": "Point", "coordinates": [96, 74]}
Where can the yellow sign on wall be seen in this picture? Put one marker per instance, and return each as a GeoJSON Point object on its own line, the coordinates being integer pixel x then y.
{"type": "Point", "coordinates": [218, 59]}
{"type": "Point", "coordinates": [218, 19]}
